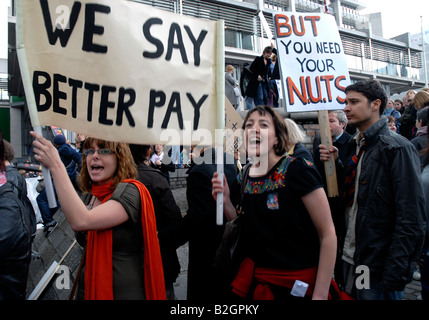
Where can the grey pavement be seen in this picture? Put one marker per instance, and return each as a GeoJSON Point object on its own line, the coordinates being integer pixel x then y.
{"type": "Point", "coordinates": [182, 252]}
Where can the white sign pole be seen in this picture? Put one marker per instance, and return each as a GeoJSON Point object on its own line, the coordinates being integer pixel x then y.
{"type": "Point", "coordinates": [32, 109]}
{"type": "Point", "coordinates": [220, 120]}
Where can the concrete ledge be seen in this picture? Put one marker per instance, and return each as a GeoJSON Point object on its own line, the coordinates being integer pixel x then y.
{"type": "Point", "coordinates": [178, 178]}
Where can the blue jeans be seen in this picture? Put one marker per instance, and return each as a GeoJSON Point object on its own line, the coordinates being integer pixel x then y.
{"type": "Point", "coordinates": [46, 212]}
{"type": "Point", "coordinates": [261, 97]}
{"type": "Point", "coordinates": [175, 155]}
{"type": "Point", "coordinates": [248, 102]}
{"type": "Point", "coordinates": [375, 291]}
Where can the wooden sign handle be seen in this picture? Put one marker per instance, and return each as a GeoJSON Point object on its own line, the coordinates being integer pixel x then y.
{"type": "Point", "coordinates": [326, 139]}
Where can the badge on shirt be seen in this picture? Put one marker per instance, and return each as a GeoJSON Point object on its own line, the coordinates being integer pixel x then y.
{"type": "Point", "coordinates": [273, 201]}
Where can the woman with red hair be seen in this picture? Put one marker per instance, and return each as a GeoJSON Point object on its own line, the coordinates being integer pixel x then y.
{"type": "Point", "coordinates": [123, 258]}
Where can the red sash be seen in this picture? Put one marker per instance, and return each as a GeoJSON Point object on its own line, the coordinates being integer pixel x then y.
{"type": "Point", "coordinates": [264, 276]}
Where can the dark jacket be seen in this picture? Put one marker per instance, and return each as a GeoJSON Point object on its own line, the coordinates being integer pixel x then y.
{"type": "Point", "coordinates": [199, 227]}
{"type": "Point", "coordinates": [408, 122]}
{"type": "Point", "coordinates": [71, 159]}
{"type": "Point", "coordinates": [341, 144]}
{"type": "Point", "coordinates": [245, 77]}
{"type": "Point", "coordinates": [300, 151]}
{"type": "Point", "coordinates": [275, 75]}
{"type": "Point", "coordinates": [420, 142]}
{"type": "Point", "coordinates": [391, 221]}
{"type": "Point", "coordinates": [257, 67]}
{"type": "Point", "coordinates": [167, 212]}
{"type": "Point", "coordinates": [15, 245]}
{"type": "Point", "coordinates": [20, 190]}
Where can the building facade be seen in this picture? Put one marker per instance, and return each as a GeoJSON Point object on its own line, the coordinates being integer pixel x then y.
{"type": "Point", "coordinates": [394, 62]}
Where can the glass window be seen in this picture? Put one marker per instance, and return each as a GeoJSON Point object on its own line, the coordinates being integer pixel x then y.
{"type": "Point", "coordinates": [231, 38]}
{"type": "Point", "coordinates": [247, 41]}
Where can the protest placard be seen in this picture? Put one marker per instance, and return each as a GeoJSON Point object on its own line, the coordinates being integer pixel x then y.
{"type": "Point", "coordinates": [234, 133]}
{"type": "Point", "coordinates": [120, 70]}
{"type": "Point", "coordinates": [313, 70]}
{"type": "Point", "coordinates": [312, 61]}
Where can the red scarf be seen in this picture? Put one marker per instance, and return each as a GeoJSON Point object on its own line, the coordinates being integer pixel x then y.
{"type": "Point", "coordinates": [99, 265]}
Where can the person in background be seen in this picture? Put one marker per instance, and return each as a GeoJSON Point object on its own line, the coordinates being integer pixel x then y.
{"type": "Point", "coordinates": [274, 75]}
{"type": "Point", "coordinates": [80, 139]}
{"type": "Point", "coordinates": [385, 236]}
{"type": "Point", "coordinates": [230, 84]}
{"type": "Point", "coordinates": [424, 258]}
{"type": "Point", "coordinates": [399, 106]}
{"type": "Point", "coordinates": [15, 238]}
{"type": "Point", "coordinates": [115, 220]}
{"type": "Point", "coordinates": [294, 137]}
{"type": "Point", "coordinates": [167, 212]}
{"type": "Point", "coordinates": [176, 158]}
{"type": "Point", "coordinates": [199, 226]}
{"type": "Point", "coordinates": [420, 140]}
{"type": "Point", "coordinates": [162, 161]}
{"type": "Point", "coordinates": [391, 122]}
{"type": "Point", "coordinates": [70, 157]}
{"type": "Point", "coordinates": [245, 77]}
{"type": "Point", "coordinates": [257, 87]}
{"type": "Point", "coordinates": [391, 111]}
{"type": "Point", "coordinates": [421, 99]}
{"type": "Point", "coordinates": [17, 180]}
{"type": "Point", "coordinates": [340, 138]}
{"type": "Point", "coordinates": [408, 118]}
{"type": "Point", "coordinates": [287, 229]}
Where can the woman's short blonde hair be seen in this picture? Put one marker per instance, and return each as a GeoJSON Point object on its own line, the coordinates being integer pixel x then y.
{"type": "Point", "coordinates": [274, 57]}
{"type": "Point", "coordinates": [421, 99]}
{"type": "Point", "coordinates": [229, 68]}
{"type": "Point", "coordinates": [126, 168]}
{"type": "Point", "coordinates": [294, 133]}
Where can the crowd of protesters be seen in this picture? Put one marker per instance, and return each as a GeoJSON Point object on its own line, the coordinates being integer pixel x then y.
{"type": "Point", "coordinates": [295, 241]}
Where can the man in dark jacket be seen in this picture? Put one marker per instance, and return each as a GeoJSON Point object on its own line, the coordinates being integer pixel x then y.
{"type": "Point", "coordinates": [69, 156]}
{"type": "Point", "coordinates": [257, 87]}
{"type": "Point", "coordinates": [15, 238]}
{"type": "Point", "coordinates": [340, 139]}
{"type": "Point", "coordinates": [408, 116]}
{"type": "Point", "coordinates": [383, 232]}
{"type": "Point", "coordinates": [167, 212]}
{"type": "Point", "coordinates": [19, 186]}
{"type": "Point", "coordinates": [421, 139]}
{"type": "Point", "coordinates": [199, 226]}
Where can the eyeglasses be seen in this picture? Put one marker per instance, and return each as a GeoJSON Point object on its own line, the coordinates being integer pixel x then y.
{"type": "Point", "coordinates": [101, 152]}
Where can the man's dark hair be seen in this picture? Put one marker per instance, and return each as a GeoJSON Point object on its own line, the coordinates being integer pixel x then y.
{"type": "Point", "coordinates": [422, 115]}
{"type": "Point", "coordinates": [139, 152]}
{"type": "Point", "coordinates": [268, 49]}
{"type": "Point", "coordinates": [372, 90]}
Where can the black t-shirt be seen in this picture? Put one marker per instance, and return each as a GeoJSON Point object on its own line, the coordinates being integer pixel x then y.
{"type": "Point", "coordinates": [278, 231]}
